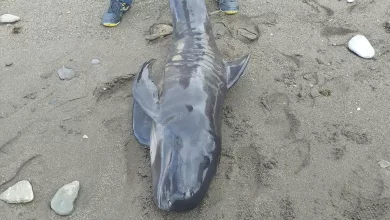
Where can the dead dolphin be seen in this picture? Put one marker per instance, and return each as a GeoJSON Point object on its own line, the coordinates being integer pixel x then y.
{"type": "Point", "coordinates": [181, 121]}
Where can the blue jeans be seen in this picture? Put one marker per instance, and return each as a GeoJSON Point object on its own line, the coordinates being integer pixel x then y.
{"type": "Point", "coordinates": [128, 1]}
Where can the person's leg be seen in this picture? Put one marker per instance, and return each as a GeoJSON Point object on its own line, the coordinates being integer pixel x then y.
{"type": "Point", "coordinates": [114, 14]}
{"type": "Point", "coordinates": [230, 7]}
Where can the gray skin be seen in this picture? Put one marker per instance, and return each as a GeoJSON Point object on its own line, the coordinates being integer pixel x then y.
{"type": "Point", "coordinates": [181, 120]}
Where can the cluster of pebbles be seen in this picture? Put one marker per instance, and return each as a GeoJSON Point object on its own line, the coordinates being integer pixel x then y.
{"type": "Point", "coordinates": [62, 203]}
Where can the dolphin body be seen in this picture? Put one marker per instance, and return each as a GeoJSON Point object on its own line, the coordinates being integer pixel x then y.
{"type": "Point", "coordinates": [180, 121]}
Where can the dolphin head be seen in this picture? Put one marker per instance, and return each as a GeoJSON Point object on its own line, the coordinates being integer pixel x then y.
{"type": "Point", "coordinates": [184, 160]}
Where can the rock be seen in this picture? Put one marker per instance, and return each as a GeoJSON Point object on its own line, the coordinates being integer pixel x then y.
{"type": "Point", "coordinates": [361, 46]}
{"type": "Point", "coordinates": [66, 73]}
{"type": "Point", "coordinates": [95, 61]}
{"type": "Point", "coordinates": [85, 136]}
{"type": "Point", "coordinates": [8, 18]}
{"type": "Point", "coordinates": [159, 31]}
{"type": "Point", "coordinates": [384, 163]}
{"type": "Point", "coordinates": [21, 192]}
{"type": "Point", "coordinates": [53, 101]}
{"type": "Point", "coordinates": [350, 1]}
{"type": "Point", "coordinates": [250, 35]}
{"type": "Point", "coordinates": [314, 92]}
{"type": "Point", "coordinates": [63, 201]}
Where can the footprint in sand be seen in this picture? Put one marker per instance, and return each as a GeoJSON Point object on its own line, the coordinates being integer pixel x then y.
{"type": "Point", "coordinates": [294, 156]}
{"type": "Point", "coordinates": [281, 123]}
{"type": "Point", "coordinates": [360, 196]}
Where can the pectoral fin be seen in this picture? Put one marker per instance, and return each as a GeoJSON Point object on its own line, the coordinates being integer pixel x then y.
{"type": "Point", "coordinates": [142, 125]}
{"type": "Point", "coordinates": [145, 106]}
{"type": "Point", "coordinates": [236, 69]}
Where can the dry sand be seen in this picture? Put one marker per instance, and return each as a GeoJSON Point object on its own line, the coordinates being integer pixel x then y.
{"type": "Point", "coordinates": [302, 133]}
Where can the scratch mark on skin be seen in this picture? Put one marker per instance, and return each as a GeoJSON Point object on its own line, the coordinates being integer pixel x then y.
{"type": "Point", "coordinates": [24, 164]}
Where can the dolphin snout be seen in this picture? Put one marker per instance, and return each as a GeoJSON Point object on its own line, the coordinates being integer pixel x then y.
{"type": "Point", "coordinates": [180, 201]}
{"type": "Point", "coordinates": [183, 171]}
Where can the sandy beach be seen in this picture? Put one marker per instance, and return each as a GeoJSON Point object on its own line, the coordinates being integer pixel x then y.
{"type": "Point", "coordinates": [303, 130]}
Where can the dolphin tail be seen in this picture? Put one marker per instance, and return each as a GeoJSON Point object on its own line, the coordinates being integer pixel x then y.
{"type": "Point", "coordinates": [145, 96]}
{"type": "Point", "coordinates": [236, 69]}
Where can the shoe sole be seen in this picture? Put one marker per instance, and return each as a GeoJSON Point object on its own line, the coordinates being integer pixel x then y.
{"type": "Point", "coordinates": [116, 24]}
{"type": "Point", "coordinates": [111, 24]}
{"type": "Point", "coordinates": [231, 12]}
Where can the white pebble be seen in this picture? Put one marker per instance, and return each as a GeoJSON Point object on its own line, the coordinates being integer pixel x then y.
{"type": "Point", "coordinates": [66, 73]}
{"type": "Point", "coordinates": [21, 192]}
{"type": "Point", "coordinates": [384, 163]}
{"type": "Point", "coordinates": [95, 61]}
{"type": "Point", "coordinates": [350, 1]}
{"type": "Point", "coordinates": [8, 18]}
{"type": "Point", "coordinates": [85, 136]}
{"type": "Point", "coordinates": [361, 46]}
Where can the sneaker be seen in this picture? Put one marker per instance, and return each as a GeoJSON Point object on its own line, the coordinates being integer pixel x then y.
{"type": "Point", "coordinates": [114, 14]}
{"type": "Point", "coordinates": [230, 7]}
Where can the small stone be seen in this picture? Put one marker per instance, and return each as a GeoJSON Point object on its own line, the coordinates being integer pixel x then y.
{"type": "Point", "coordinates": [159, 31]}
{"type": "Point", "coordinates": [314, 92]}
{"type": "Point", "coordinates": [250, 35]}
{"type": "Point", "coordinates": [361, 46]}
{"type": "Point", "coordinates": [384, 163]}
{"type": "Point", "coordinates": [308, 76]}
{"type": "Point", "coordinates": [21, 192]}
{"type": "Point", "coordinates": [63, 201]}
{"type": "Point", "coordinates": [8, 18]}
{"type": "Point", "coordinates": [95, 61]}
{"type": "Point", "coordinates": [66, 73]}
{"type": "Point", "coordinates": [85, 136]}
{"type": "Point", "coordinates": [53, 101]}
{"type": "Point", "coordinates": [350, 1]}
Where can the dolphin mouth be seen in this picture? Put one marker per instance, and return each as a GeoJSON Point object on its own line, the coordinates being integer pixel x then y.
{"type": "Point", "coordinates": [180, 204]}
